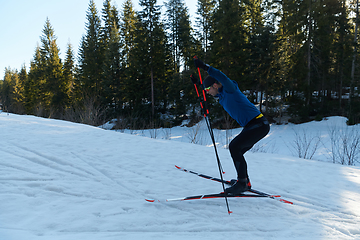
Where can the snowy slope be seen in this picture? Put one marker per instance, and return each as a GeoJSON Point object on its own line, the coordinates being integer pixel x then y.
{"type": "Point", "coordinates": [61, 180]}
{"type": "Point", "coordinates": [280, 140]}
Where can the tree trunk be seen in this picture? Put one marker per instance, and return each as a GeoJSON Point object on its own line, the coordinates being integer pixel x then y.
{"type": "Point", "coordinates": [308, 77]}
{"type": "Point", "coordinates": [354, 57]}
{"type": "Point", "coordinates": [152, 95]}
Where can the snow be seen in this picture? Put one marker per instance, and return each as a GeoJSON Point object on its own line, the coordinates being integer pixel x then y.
{"type": "Point", "coordinates": [61, 181]}
{"type": "Point", "coordinates": [280, 140]}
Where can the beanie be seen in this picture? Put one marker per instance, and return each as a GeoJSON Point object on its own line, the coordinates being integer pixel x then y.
{"type": "Point", "coordinates": [209, 81]}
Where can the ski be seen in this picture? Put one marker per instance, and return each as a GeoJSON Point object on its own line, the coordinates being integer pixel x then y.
{"type": "Point", "coordinates": [204, 176]}
{"type": "Point", "coordinates": [209, 196]}
{"type": "Point", "coordinates": [259, 193]}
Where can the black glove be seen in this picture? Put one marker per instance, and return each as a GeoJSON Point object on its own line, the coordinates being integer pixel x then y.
{"type": "Point", "coordinates": [201, 64]}
{"type": "Point", "coordinates": [194, 79]}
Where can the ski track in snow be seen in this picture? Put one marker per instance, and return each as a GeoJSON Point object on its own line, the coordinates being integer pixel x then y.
{"type": "Point", "coordinates": [61, 180]}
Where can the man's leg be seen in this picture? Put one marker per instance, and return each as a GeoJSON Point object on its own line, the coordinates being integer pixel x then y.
{"type": "Point", "coordinates": [241, 144]}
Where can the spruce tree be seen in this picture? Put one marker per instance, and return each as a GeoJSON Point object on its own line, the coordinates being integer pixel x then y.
{"type": "Point", "coordinates": [55, 89]}
{"type": "Point", "coordinates": [205, 12]}
{"type": "Point", "coordinates": [173, 14]}
{"type": "Point", "coordinates": [19, 91]}
{"type": "Point", "coordinates": [33, 86]}
{"type": "Point", "coordinates": [7, 91]}
{"type": "Point", "coordinates": [317, 40]}
{"type": "Point", "coordinates": [151, 52]}
{"type": "Point", "coordinates": [260, 68]}
{"type": "Point", "coordinates": [188, 44]}
{"type": "Point", "coordinates": [332, 46]}
{"type": "Point", "coordinates": [129, 22]}
{"type": "Point", "coordinates": [69, 72]}
{"type": "Point", "coordinates": [354, 112]}
{"type": "Point", "coordinates": [127, 31]}
{"type": "Point", "coordinates": [112, 60]}
{"type": "Point", "coordinates": [179, 33]}
{"type": "Point", "coordinates": [12, 90]}
{"type": "Point", "coordinates": [91, 56]}
{"type": "Point", "coordinates": [110, 17]}
{"type": "Point", "coordinates": [229, 39]}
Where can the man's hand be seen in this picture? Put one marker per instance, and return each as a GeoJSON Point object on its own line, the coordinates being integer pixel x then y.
{"type": "Point", "coordinates": [200, 64]}
{"type": "Point", "coordinates": [194, 79]}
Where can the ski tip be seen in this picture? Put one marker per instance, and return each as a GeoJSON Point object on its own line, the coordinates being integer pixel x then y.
{"type": "Point", "coordinates": [177, 167]}
{"type": "Point", "coordinates": [281, 199]}
{"type": "Point", "coordinates": [286, 201]}
{"type": "Point", "coordinates": [275, 196]}
{"type": "Point", "coordinates": [150, 200]}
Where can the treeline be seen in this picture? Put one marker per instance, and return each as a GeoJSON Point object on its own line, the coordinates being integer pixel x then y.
{"type": "Point", "coordinates": [136, 64]}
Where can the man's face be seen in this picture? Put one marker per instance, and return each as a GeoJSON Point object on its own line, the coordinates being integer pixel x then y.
{"type": "Point", "coordinates": [213, 90]}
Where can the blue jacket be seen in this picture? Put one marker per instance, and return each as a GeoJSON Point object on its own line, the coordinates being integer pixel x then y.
{"type": "Point", "coordinates": [233, 100]}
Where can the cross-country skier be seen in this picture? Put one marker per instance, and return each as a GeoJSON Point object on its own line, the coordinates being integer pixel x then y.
{"type": "Point", "coordinates": [244, 112]}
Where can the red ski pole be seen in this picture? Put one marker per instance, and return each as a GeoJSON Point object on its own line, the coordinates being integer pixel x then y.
{"type": "Point", "coordinates": [206, 113]}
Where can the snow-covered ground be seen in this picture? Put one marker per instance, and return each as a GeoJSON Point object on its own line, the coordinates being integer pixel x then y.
{"type": "Point", "coordinates": [313, 140]}
{"type": "Point", "coordinates": [61, 181]}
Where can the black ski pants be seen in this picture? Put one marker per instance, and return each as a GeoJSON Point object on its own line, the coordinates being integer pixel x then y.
{"type": "Point", "coordinates": [253, 132]}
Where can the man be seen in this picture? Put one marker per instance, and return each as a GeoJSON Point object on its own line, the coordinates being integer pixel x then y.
{"type": "Point", "coordinates": [245, 113]}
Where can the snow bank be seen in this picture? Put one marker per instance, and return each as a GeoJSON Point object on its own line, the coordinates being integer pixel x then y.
{"type": "Point", "coordinates": [62, 180]}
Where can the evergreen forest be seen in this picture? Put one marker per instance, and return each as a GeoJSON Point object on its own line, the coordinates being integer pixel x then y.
{"type": "Point", "coordinates": [295, 58]}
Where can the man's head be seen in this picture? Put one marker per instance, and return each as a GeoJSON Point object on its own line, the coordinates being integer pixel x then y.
{"type": "Point", "coordinates": [211, 85]}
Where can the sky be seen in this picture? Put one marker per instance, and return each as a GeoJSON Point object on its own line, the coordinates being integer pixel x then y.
{"type": "Point", "coordinates": [22, 22]}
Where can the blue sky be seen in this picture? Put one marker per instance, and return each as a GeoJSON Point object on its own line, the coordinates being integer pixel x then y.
{"type": "Point", "coordinates": [22, 22]}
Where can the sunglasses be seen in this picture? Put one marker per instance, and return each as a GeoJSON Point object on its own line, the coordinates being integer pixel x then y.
{"type": "Point", "coordinates": [208, 88]}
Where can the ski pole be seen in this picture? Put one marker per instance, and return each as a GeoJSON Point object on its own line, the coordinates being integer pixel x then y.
{"type": "Point", "coordinates": [206, 111]}
{"type": "Point", "coordinates": [211, 132]}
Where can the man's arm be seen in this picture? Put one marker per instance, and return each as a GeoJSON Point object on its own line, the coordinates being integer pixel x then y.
{"type": "Point", "coordinates": [227, 84]}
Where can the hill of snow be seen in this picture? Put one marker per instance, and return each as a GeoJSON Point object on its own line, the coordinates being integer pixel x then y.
{"type": "Point", "coordinates": [61, 181]}
{"type": "Point", "coordinates": [312, 140]}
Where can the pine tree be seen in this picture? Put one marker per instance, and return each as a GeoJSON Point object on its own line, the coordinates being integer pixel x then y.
{"type": "Point", "coordinates": [19, 91]}
{"type": "Point", "coordinates": [151, 47]}
{"type": "Point", "coordinates": [12, 90]}
{"type": "Point", "coordinates": [127, 31]}
{"type": "Point", "coordinates": [261, 61]}
{"type": "Point", "coordinates": [91, 56]}
{"type": "Point", "coordinates": [229, 49]}
{"type": "Point", "coordinates": [110, 17]}
{"type": "Point", "coordinates": [179, 33]}
{"type": "Point", "coordinates": [354, 112]}
{"type": "Point", "coordinates": [69, 72]}
{"type": "Point", "coordinates": [205, 11]}
{"type": "Point", "coordinates": [263, 66]}
{"type": "Point", "coordinates": [188, 44]}
{"type": "Point", "coordinates": [55, 89]}
{"type": "Point", "coordinates": [7, 91]}
{"type": "Point", "coordinates": [150, 16]}
{"type": "Point", "coordinates": [316, 39]}
{"type": "Point", "coordinates": [33, 86]}
{"type": "Point", "coordinates": [173, 14]}
{"type": "Point", "coordinates": [112, 59]}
